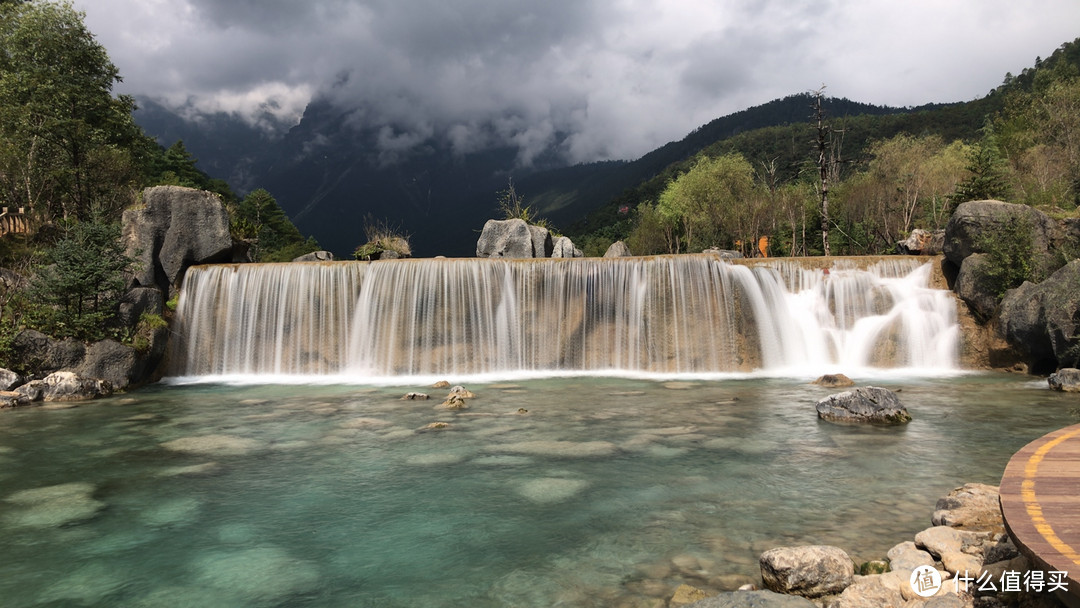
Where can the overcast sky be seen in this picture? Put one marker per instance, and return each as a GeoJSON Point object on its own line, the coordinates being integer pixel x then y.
{"type": "Point", "coordinates": [621, 76]}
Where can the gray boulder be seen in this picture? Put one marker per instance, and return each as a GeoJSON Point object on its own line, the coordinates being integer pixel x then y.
{"type": "Point", "coordinates": [139, 300]}
{"type": "Point", "coordinates": [33, 351]}
{"type": "Point", "coordinates": [971, 289]}
{"type": "Point", "coordinates": [727, 254]}
{"type": "Point", "coordinates": [972, 506]}
{"type": "Point", "coordinates": [1042, 320]}
{"type": "Point", "coordinates": [174, 229]}
{"type": "Point", "coordinates": [541, 240]}
{"type": "Point", "coordinates": [922, 242]}
{"type": "Point", "coordinates": [116, 363]}
{"type": "Point", "coordinates": [618, 249]}
{"type": "Point", "coordinates": [809, 571]}
{"type": "Point", "coordinates": [505, 239]}
{"type": "Point", "coordinates": [1065, 379]}
{"type": "Point", "coordinates": [563, 247]}
{"type": "Point", "coordinates": [753, 599]}
{"type": "Point", "coordinates": [315, 256]}
{"type": "Point", "coordinates": [971, 220]}
{"type": "Point", "coordinates": [65, 386]}
{"type": "Point", "coordinates": [9, 379]}
{"type": "Point", "coordinates": [866, 404]}
{"type": "Point", "coordinates": [9, 399]}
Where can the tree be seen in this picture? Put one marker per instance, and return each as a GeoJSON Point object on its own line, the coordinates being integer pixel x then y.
{"type": "Point", "coordinates": [69, 147]}
{"type": "Point", "coordinates": [77, 292]}
{"type": "Point", "coordinates": [989, 177]}
{"type": "Point", "coordinates": [259, 220]}
{"type": "Point", "coordinates": [714, 203]}
{"type": "Point", "coordinates": [827, 163]}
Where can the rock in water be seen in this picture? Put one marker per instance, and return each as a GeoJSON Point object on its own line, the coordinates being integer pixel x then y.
{"type": "Point", "coordinates": [753, 599]}
{"type": "Point", "coordinates": [834, 381]}
{"type": "Point", "coordinates": [1067, 380]}
{"type": "Point", "coordinates": [809, 571]}
{"type": "Point", "coordinates": [65, 386]}
{"type": "Point", "coordinates": [866, 404]}
{"type": "Point", "coordinates": [973, 506]}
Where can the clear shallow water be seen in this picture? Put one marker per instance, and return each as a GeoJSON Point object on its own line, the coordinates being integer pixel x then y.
{"type": "Point", "coordinates": [332, 496]}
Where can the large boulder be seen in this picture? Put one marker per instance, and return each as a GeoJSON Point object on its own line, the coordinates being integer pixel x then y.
{"type": "Point", "coordinates": [65, 386]}
{"type": "Point", "coordinates": [972, 221]}
{"type": "Point", "coordinates": [118, 364]}
{"type": "Point", "coordinates": [505, 239]}
{"type": "Point", "coordinates": [809, 571]}
{"type": "Point", "coordinates": [1043, 320]}
{"type": "Point", "coordinates": [9, 379]}
{"type": "Point", "coordinates": [542, 243]}
{"type": "Point", "coordinates": [139, 300]}
{"type": "Point", "coordinates": [34, 352]}
{"type": "Point", "coordinates": [922, 242]}
{"type": "Point", "coordinates": [618, 249]}
{"type": "Point", "coordinates": [866, 404]}
{"type": "Point", "coordinates": [972, 506]}
{"type": "Point", "coordinates": [971, 287]}
{"type": "Point", "coordinates": [1065, 380]}
{"type": "Point", "coordinates": [174, 229]}
{"type": "Point", "coordinates": [563, 247]}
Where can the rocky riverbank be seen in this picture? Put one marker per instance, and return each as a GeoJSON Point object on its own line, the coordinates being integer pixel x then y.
{"type": "Point", "coordinates": [976, 563]}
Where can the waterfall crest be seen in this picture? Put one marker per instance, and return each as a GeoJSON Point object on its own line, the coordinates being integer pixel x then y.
{"type": "Point", "coordinates": [454, 317]}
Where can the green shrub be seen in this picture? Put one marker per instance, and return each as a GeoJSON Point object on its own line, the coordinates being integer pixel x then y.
{"type": "Point", "coordinates": [1010, 257]}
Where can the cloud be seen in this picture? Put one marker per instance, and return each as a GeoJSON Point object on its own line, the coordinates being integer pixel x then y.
{"type": "Point", "coordinates": [602, 78]}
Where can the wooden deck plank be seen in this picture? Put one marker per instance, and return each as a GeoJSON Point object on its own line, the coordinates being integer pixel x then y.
{"type": "Point", "coordinates": [1040, 503]}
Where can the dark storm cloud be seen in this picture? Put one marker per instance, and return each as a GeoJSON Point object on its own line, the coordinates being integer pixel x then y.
{"type": "Point", "coordinates": [615, 77]}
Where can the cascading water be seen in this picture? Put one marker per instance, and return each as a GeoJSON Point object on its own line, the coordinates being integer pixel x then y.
{"type": "Point", "coordinates": [667, 314]}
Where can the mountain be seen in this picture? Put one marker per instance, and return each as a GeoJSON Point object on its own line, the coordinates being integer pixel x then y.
{"type": "Point", "coordinates": [331, 174]}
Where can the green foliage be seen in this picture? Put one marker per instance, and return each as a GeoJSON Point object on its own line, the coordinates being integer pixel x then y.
{"type": "Point", "coordinates": [261, 222]}
{"type": "Point", "coordinates": [68, 148]}
{"type": "Point", "coordinates": [143, 334]}
{"type": "Point", "coordinates": [1009, 262]}
{"type": "Point", "coordinates": [382, 236]}
{"type": "Point", "coordinates": [77, 292]}
{"type": "Point", "coordinates": [989, 178]}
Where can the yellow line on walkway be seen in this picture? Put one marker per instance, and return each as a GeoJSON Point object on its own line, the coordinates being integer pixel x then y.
{"type": "Point", "coordinates": [1031, 501]}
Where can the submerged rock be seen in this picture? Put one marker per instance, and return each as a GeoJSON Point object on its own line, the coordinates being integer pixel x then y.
{"type": "Point", "coordinates": [53, 506]}
{"type": "Point", "coordinates": [213, 445]}
{"type": "Point", "coordinates": [260, 575]}
{"type": "Point", "coordinates": [868, 404]}
{"type": "Point", "coordinates": [1067, 380]}
{"type": "Point", "coordinates": [834, 381]}
{"type": "Point", "coordinates": [753, 599]}
{"type": "Point", "coordinates": [809, 571]}
{"type": "Point", "coordinates": [563, 449]}
{"type": "Point", "coordinates": [551, 489]}
{"type": "Point", "coordinates": [415, 397]}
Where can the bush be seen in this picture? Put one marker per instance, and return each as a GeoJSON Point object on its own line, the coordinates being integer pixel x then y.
{"type": "Point", "coordinates": [77, 292]}
{"type": "Point", "coordinates": [1010, 260]}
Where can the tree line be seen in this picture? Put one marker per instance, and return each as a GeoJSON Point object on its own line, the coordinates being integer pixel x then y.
{"type": "Point", "coordinates": [72, 159]}
{"type": "Point", "coordinates": [886, 174]}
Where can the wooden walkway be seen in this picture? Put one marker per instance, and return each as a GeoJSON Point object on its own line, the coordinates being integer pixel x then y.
{"type": "Point", "coordinates": [1040, 502]}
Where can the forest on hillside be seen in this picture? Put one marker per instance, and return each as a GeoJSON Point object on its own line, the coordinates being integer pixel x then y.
{"type": "Point", "coordinates": [72, 160]}
{"type": "Point", "coordinates": [887, 174]}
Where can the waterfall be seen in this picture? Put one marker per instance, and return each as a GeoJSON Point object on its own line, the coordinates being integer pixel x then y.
{"type": "Point", "coordinates": [691, 314]}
